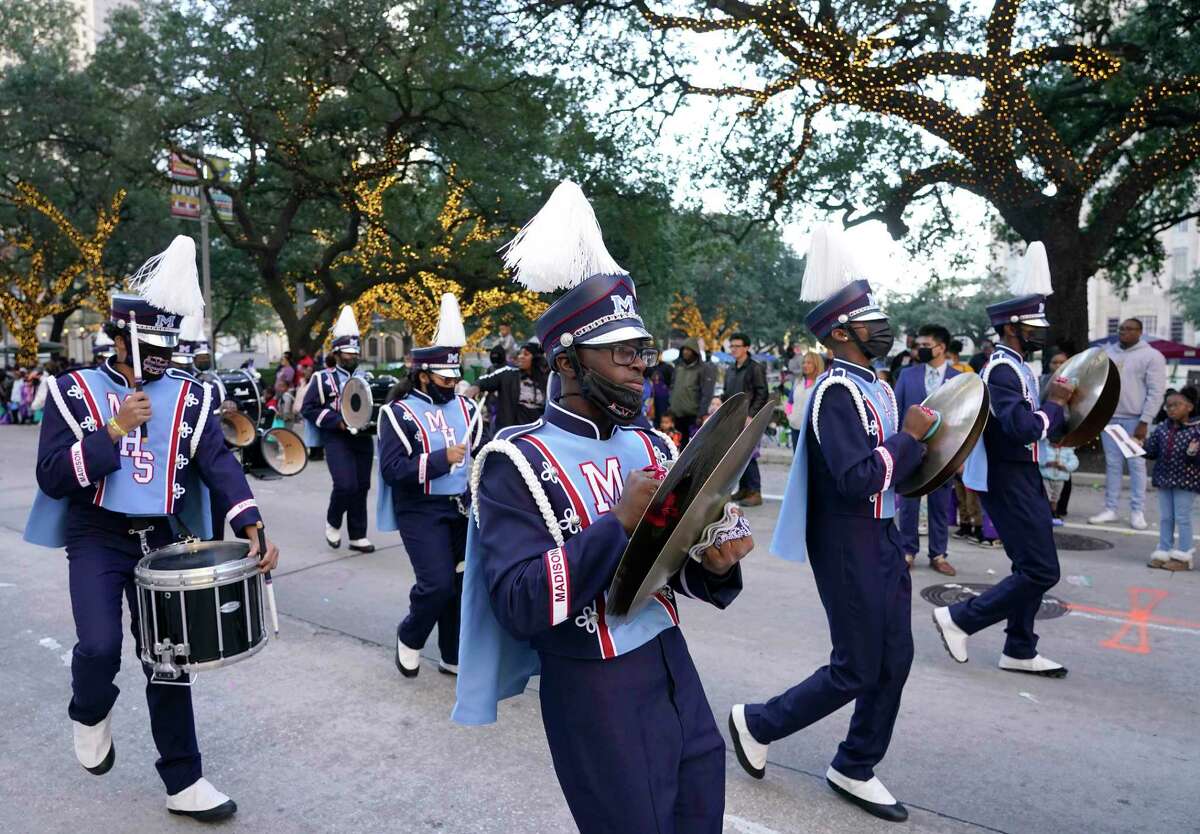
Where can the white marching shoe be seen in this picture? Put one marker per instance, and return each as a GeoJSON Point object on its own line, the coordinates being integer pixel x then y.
{"type": "Point", "coordinates": [94, 746]}
{"type": "Point", "coordinates": [751, 753]}
{"type": "Point", "coordinates": [447, 668]}
{"type": "Point", "coordinates": [1103, 517]}
{"type": "Point", "coordinates": [362, 545]}
{"type": "Point", "coordinates": [408, 661]}
{"type": "Point", "coordinates": [333, 536]}
{"type": "Point", "coordinates": [202, 802]}
{"type": "Point", "coordinates": [870, 795]}
{"type": "Point", "coordinates": [1137, 520]}
{"type": "Point", "coordinates": [953, 637]}
{"type": "Point", "coordinates": [1037, 665]}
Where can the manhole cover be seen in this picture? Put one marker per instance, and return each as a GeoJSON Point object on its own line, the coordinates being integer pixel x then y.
{"type": "Point", "coordinates": [1074, 541]}
{"type": "Point", "coordinates": [952, 592]}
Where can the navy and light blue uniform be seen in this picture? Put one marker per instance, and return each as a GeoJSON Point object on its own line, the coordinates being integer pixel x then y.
{"type": "Point", "coordinates": [1003, 469]}
{"type": "Point", "coordinates": [631, 734]}
{"type": "Point", "coordinates": [108, 504]}
{"type": "Point", "coordinates": [916, 382]}
{"type": "Point", "coordinates": [427, 499]}
{"type": "Point", "coordinates": [350, 456]}
{"type": "Point", "coordinates": [838, 510]}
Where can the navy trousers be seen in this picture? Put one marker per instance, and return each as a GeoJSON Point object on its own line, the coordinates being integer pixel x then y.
{"type": "Point", "coordinates": [1016, 503]}
{"type": "Point", "coordinates": [101, 563]}
{"type": "Point", "coordinates": [633, 740]}
{"type": "Point", "coordinates": [751, 479]}
{"type": "Point", "coordinates": [349, 457]}
{"type": "Point", "coordinates": [909, 511]}
{"type": "Point", "coordinates": [435, 536]}
{"type": "Point", "coordinates": [866, 590]}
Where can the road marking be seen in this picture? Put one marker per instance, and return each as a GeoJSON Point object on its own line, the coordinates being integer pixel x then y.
{"type": "Point", "coordinates": [1137, 620]}
{"type": "Point", "coordinates": [745, 826]}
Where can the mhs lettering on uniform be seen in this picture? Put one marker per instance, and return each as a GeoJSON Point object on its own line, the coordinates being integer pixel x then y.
{"type": "Point", "coordinates": [606, 485]}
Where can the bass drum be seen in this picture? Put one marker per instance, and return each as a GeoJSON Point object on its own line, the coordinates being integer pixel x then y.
{"type": "Point", "coordinates": [241, 388]}
{"type": "Point", "coordinates": [200, 607]}
{"type": "Point", "coordinates": [279, 450]}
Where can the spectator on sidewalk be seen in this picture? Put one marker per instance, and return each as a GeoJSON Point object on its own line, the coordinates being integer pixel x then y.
{"type": "Point", "coordinates": [1057, 464]}
{"type": "Point", "coordinates": [811, 367]}
{"type": "Point", "coordinates": [695, 380]}
{"type": "Point", "coordinates": [981, 356]}
{"type": "Point", "coordinates": [796, 358]}
{"type": "Point", "coordinates": [520, 390]}
{"type": "Point", "coordinates": [506, 340]}
{"type": "Point", "coordinates": [747, 376]}
{"type": "Point", "coordinates": [1175, 444]}
{"type": "Point", "coordinates": [1143, 373]}
{"type": "Point", "coordinates": [287, 372]}
{"type": "Point", "coordinates": [954, 356]}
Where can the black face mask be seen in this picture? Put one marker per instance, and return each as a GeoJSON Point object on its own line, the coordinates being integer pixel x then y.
{"type": "Point", "coordinates": [621, 404]}
{"type": "Point", "coordinates": [155, 360]}
{"type": "Point", "coordinates": [1034, 340]}
{"type": "Point", "coordinates": [924, 354]}
{"type": "Point", "coordinates": [880, 338]}
{"type": "Point", "coordinates": [348, 365]}
{"type": "Point", "coordinates": [437, 393]}
{"type": "Point", "coordinates": [201, 364]}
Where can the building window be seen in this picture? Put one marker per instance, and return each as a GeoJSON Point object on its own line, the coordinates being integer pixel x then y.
{"type": "Point", "coordinates": [1182, 227]}
{"type": "Point", "coordinates": [1179, 265]}
{"type": "Point", "coordinates": [1176, 328]}
{"type": "Point", "coordinates": [1149, 325]}
{"type": "Point", "coordinates": [1113, 325]}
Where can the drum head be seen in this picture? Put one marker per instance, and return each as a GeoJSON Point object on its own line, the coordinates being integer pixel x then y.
{"type": "Point", "coordinates": [284, 451]}
{"type": "Point", "coordinates": [356, 403]}
{"type": "Point", "coordinates": [194, 555]}
{"type": "Point", "coordinates": [962, 403]}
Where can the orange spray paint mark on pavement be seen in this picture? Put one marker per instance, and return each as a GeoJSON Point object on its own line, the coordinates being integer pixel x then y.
{"type": "Point", "coordinates": [1134, 622]}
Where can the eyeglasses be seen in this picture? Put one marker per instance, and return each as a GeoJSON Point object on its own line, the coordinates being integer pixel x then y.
{"type": "Point", "coordinates": [626, 355]}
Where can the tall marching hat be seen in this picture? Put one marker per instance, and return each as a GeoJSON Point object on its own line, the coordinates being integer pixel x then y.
{"type": "Point", "coordinates": [562, 247]}
{"type": "Point", "coordinates": [345, 332]}
{"type": "Point", "coordinates": [1030, 288]}
{"type": "Point", "coordinates": [443, 357]}
{"type": "Point", "coordinates": [102, 345]}
{"type": "Point", "coordinates": [833, 277]}
{"type": "Point", "coordinates": [192, 339]}
{"type": "Point", "coordinates": [161, 293]}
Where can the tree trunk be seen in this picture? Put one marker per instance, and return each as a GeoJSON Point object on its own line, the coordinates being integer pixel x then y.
{"type": "Point", "coordinates": [1067, 308]}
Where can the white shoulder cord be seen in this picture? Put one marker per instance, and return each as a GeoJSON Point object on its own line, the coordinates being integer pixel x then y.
{"type": "Point", "coordinates": [987, 372]}
{"type": "Point", "coordinates": [56, 395]}
{"type": "Point", "coordinates": [527, 474]}
{"type": "Point", "coordinates": [205, 404]}
{"type": "Point", "coordinates": [670, 443]}
{"type": "Point", "coordinates": [819, 394]}
{"type": "Point", "coordinates": [391, 415]}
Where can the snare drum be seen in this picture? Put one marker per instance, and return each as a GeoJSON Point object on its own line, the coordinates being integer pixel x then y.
{"type": "Point", "coordinates": [200, 606]}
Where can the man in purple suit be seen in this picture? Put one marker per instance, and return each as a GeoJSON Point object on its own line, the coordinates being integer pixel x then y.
{"type": "Point", "coordinates": [916, 382]}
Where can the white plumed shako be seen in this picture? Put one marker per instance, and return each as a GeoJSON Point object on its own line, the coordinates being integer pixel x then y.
{"type": "Point", "coordinates": [829, 266]}
{"type": "Point", "coordinates": [169, 280]}
{"type": "Point", "coordinates": [450, 331]}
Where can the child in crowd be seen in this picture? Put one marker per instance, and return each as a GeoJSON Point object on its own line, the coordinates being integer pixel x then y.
{"type": "Point", "coordinates": [1175, 444]}
{"type": "Point", "coordinates": [666, 424]}
{"type": "Point", "coordinates": [1057, 464]}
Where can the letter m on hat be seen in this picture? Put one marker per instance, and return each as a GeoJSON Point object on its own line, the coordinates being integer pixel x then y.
{"type": "Point", "coordinates": [623, 305]}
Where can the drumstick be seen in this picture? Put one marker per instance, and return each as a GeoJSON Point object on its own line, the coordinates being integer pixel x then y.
{"type": "Point", "coordinates": [475, 423]}
{"type": "Point", "coordinates": [262, 552]}
{"type": "Point", "coordinates": [135, 353]}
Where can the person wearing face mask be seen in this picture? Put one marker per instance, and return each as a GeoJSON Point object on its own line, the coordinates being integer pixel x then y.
{"type": "Point", "coordinates": [631, 734]}
{"type": "Point", "coordinates": [350, 454]}
{"type": "Point", "coordinates": [426, 441]}
{"type": "Point", "coordinates": [128, 456]}
{"type": "Point", "coordinates": [838, 512]}
{"type": "Point", "coordinates": [915, 384]}
{"type": "Point", "coordinates": [1003, 469]}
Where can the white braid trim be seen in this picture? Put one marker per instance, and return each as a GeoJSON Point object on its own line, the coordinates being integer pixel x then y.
{"type": "Point", "coordinates": [670, 443]}
{"type": "Point", "coordinates": [205, 405]}
{"type": "Point", "coordinates": [531, 483]}
{"type": "Point", "coordinates": [895, 408]}
{"type": "Point", "coordinates": [391, 414]}
{"type": "Point", "coordinates": [1002, 359]}
{"type": "Point", "coordinates": [56, 395]}
{"type": "Point", "coordinates": [819, 394]}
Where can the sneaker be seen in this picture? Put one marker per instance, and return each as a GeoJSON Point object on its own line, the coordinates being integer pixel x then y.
{"type": "Point", "coordinates": [1057, 522]}
{"type": "Point", "coordinates": [1105, 517]}
{"type": "Point", "coordinates": [1159, 559]}
{"type": "Point", "coordinates": [964, 531]}
{"type": "Point", "coordinates": [1137, 520]}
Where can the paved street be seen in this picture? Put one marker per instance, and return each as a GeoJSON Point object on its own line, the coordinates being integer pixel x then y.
{"type": "Point", "coordinates": [320, 733]}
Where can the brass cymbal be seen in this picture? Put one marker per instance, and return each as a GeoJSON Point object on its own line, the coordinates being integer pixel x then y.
{"type": "Point", "coordinates": [962, 403]}
{"type": "Point", "coordinates": [692, 496]}
{"type": "Point", "coordinates": [1097, 390]}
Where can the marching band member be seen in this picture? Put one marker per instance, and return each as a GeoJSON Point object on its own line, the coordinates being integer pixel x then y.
{"type": "Point", "coordinates": [119, 469]}
{"type": "Point", "coordinates": [1003, 469]}
{"type": "Point", "coordinates": [426, 441]}
{"type": "Point", "coordinates": [102, 348]}
{"type": "Point", "coordinates": [631, 734]}
{"type": "Point", "coordinates": [350, 454]}
{"type": "Point", "coordinates": [838, 510]}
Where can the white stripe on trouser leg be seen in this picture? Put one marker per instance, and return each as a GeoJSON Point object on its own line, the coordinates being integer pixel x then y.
{"type": "Point", "coordinates": [558, 579]}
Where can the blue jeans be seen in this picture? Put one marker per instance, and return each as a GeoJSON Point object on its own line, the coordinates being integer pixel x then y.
{"type": "Point", "coordinates": [1114, 462]}
{"type": "Point", "coordinates": [1175, 511]}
